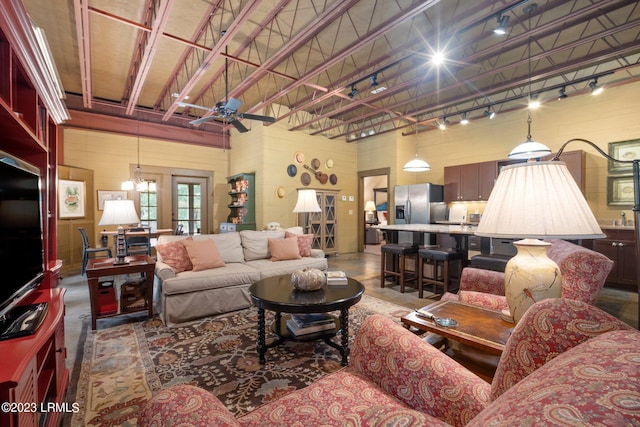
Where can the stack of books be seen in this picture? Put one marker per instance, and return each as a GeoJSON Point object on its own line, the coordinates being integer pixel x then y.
{"type": "Point", "coordinates": [308, 324]}
{"type": "Point", "coordinates": [336, 278]}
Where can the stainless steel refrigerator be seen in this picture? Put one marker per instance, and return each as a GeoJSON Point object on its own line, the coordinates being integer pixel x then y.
{"type": "Point", "coordinates": [418, 204]}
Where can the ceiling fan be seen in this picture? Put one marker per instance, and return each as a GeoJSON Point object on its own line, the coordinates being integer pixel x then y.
{"type": "Point", "coordinates": [226, 111]}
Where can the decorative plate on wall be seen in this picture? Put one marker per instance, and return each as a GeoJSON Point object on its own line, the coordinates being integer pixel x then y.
{"type": "Point", "coordinates": [315, 163]}
{"type": "Point", "coordinates": [280, 193]}
{"type": "Point", "coordinates": [333, 179]}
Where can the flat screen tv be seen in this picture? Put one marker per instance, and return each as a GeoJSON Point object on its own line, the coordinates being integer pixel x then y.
{"type": "Point", "coordinates": [21, 237]}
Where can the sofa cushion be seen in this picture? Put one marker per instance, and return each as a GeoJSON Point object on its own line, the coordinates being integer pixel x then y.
{"type": "Point", "coordinates": [175, 255]}
{"type": "Point", "coordinates": [305, 242]}
{"type": "Point", "coordinates": [203, 254]}
{"type": "Point", "coordinates": [228, 244]}
{"type": "Point", "coordinates": [233, 274]}
{"type": "Point", "coordinates": [268, 268]}
{"type": "Point", "coordinates": [255, 244]}
{"type": "Point", "coordinates": [594, 383]}
{"type": "Point", "coordinates": [284, 249]}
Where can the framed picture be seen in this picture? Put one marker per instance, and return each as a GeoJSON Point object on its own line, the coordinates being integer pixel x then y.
{"type": "Point", "coordinates": [71, 199]}
{"type": "Point", "coordinates": [620, 190]}
{"type": "Point", "coordinates": [624, 150]}
{"type": "Point", "coordinates": [110, 195]}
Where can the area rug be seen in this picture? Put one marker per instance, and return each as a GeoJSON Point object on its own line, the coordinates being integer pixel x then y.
{"type": "Point", "coordinates": [122, 366]}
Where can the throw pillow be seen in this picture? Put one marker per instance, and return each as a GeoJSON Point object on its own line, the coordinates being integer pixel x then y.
{"type": "Point", "coordinates": [175, 255]}
{"type": "Point", "coordinates": [203, 254]}
{"type": "Point", "coordinates": [305, 242]}
{"type": "Point", "coordinates": [284, 249]}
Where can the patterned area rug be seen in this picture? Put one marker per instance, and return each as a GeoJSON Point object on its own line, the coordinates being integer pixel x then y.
{"type": "Point", "coordinates": [123, 366]}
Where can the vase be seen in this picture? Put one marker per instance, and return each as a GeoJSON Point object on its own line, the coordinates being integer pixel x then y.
{"type": "Point", "coordinates": [530, 276]}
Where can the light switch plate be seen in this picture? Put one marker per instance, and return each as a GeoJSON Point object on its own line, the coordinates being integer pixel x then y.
{"type": "Point", "coordinates": [344, 198]}
{"type": "Point", "coordinates": [351, 199]}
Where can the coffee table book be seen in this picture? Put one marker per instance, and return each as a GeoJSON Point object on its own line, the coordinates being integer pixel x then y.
{"type": "Point", "coordinates": [336, 278]}
{"type": "Point", "coordinates": [300, 328]}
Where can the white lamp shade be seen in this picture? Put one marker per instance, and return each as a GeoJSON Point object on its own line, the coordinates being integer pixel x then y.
{"type": "Point", "coordinates": [529, 150]}
{"type": "Point", "coordinates": [416, 165]}
{"type": "Point", "coordinates": [538, 200]}
{"type": "Point", "coordinates": [370, 206]}
{"type": "Point", "coordinates": [119, 212]}
{"type": "Point", "coordinates": [307, 201]}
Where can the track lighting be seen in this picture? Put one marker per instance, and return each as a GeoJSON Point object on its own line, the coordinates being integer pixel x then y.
{"type": "Point", "coordinates": [595, 89]}
{"type": "Point", "coordinates": [464, 120]}
{"type": "Point", "coordinates": [373, 79]}
{"type": "Point", "coordinates": [501, 29]}
{"type": "Point", "coordinates": [562, 94]}
{"type": "Point", "coordinates": [490, 113]}
{"type": "Point", "coordinates": [353, 92]}
{"type": "Point", "coordinates": [533, 102]}
{"type": "Point", "coordinates": [443, 124]}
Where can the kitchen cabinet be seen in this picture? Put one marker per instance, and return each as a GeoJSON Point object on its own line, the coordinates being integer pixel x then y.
{"type": "Point", "coordinates": [575, 164]}
{"type": "Point", "coordinates": [470, 182]}
{"type": "Point", "coordinates": [619, 246]}
{"type": "Point", "coordinates": [242, 210]}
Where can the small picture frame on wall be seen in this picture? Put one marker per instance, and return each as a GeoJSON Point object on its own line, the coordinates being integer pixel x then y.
{"type": "Point", "coordinates": [624, 150]}
{"type": "Point", "coordinates": [71, 199]}
{"type": "Point", "coordinates": [620, 190]}
{"type": "Point", "coordinates": [104, 195]}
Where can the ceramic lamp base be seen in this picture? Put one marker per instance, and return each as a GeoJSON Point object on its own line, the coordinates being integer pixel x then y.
{"type": "Point", "coordinates": [530, 276]}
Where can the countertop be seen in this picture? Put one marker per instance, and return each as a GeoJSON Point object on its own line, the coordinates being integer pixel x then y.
{"type": "Point", "coordinates": [429, 228]}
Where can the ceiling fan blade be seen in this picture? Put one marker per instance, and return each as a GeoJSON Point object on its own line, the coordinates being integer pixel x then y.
{"type": "Point", "coordinates": [239, 126]}
{"type": "Point", "coordinates": [233, 105]}
{"type": "Point", "coordinates": [256, 117]}
{"type": "Point", "coordinates": [186, 104]}
{"type": "Point", "coordinates": [202, 120]}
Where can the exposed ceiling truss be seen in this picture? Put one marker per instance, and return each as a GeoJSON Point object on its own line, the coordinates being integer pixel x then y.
{"type": "Point", "coordinates": [313, 64]}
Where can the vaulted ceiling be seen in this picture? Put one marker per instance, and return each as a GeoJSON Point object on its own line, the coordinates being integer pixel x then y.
{"type": "Point", "coordinates": [313, 64]}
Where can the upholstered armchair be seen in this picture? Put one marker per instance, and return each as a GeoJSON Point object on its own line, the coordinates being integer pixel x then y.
{"type": "Point", "coordinates": [566, 362]}
{"type": "Point", "coordinates": [583, 274]}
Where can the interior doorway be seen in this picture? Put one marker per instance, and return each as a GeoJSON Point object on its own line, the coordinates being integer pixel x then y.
{"type": "Point", "coordinates": [372, 203]}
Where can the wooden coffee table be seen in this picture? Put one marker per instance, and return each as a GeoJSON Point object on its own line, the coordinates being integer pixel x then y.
{"type": "Point", "coordinates": [477, 327]}
{"type": "Point", "coordinates": [278, 294]}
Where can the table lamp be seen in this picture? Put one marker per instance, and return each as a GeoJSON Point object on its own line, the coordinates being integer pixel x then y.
{"type": "Point", "coordinates": [307, 202]}
{"type": "Point", "coordinates": [119, 212]}
{"type": "Point", "coordinates": [370, 208]}
{"type": "Point", "coordinates": [532, 201]}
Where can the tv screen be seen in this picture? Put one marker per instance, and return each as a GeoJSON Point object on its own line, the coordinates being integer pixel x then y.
{"type": "Point", "coordinates": [21, 244]}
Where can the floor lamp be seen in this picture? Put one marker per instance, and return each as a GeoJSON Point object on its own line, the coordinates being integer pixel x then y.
{"type": "Point", "coordinates": [307, 202]}
{"type": "Point", "coordinates": [119, 212]}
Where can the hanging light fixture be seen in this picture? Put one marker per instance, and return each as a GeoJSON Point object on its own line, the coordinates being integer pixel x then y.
{"type": "Point", "coordinates": [501, 29]}
{"type": "Point", "coordinates": [530, 148]}
{"type": "Point", "coordinates": [137, 182]}
{"type": "Point", "coordinates": [416, 164]}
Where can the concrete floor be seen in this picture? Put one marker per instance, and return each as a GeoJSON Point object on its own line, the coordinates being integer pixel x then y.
{"type": "Point", "coordinates": [364, 267]}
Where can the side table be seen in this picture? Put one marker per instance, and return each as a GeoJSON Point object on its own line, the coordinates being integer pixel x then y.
{"type": "Point", "coordinates": [101, 267]}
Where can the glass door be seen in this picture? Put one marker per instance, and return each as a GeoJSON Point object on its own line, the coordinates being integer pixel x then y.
{"type": "Point", "coordinates": [189, 206]}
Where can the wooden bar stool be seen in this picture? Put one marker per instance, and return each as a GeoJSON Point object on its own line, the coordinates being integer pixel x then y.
{"type": "Point", "coordinates": [398, 260]}
{"type": "Point", "coordinates": [440, 261]}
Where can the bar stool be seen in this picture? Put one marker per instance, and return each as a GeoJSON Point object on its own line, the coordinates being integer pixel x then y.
{"type": "Point", "coordinates": [439, 259]}
{"type": "Point", "coordinates": [398, 261]}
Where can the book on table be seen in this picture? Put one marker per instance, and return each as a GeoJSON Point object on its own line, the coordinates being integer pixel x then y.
{"type": "Point", "coordinates": [305, 324]}
{"type": "Point", "coordinates": [337, 278]}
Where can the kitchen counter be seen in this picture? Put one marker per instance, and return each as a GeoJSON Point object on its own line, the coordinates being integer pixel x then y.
{"type": "Point", "coordinates": [467, 230]}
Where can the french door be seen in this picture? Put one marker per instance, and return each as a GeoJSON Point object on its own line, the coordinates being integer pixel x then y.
{"type": "Point", "coordinates": [189, 205]}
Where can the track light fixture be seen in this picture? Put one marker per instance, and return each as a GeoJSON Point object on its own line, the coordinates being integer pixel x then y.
{"type": "Point", "coordinates": [562, 94]}
{"type": "Point", "coordinates": [464, 120]}
{"type": "Point", "coordinates": [595, 89]}
{"type": "Point", "coordinates": [443, 124]}
{"type": "Point", "coordinates": [501, 29]}
{"type": "Point", "coordinates": [373, 79]}
{"type": "Point", "coordinates": [490, 113]}
{"type": "Point", "coordinates": [533, 102]}
{"type": "Point", "coordinates": [354, 92]}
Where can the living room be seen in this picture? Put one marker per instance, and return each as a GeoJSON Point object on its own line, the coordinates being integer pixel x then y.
{"type": "Point", "coordinates": [103, 150]}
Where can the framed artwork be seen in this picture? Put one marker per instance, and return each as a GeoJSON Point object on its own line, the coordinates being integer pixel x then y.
{"type": "Point", "coordinates": [624, 150]}
{"type": "Point", "coordinates": [110, 195]}
{"type": "Point", "coordinates": [71, 199]}
{"type": "Point", "coordinates": [620, 190]}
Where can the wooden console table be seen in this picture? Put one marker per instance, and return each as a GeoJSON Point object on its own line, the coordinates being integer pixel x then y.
{"type": "Point", "coordinates": [101, 267]}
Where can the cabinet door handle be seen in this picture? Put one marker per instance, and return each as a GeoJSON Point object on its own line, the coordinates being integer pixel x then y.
{"type": "Point", "coordinates": [614, 244]}
{"type": "Point", "coordinates": [620, 244]}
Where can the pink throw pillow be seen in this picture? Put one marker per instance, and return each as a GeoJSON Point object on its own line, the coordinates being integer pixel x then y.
{"type": "Point", "coordinates": [284, 249]}
{"type": "Point", "coordinates": [203, 254]}
{"type": "Point", "coordinates": [305, 242]}
{"type": "Point", "coordinates": [175, 255]}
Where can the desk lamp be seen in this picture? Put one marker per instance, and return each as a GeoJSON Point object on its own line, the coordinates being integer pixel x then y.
{"type": "Point", "coordinates": [532, 201]}
{"type": "Point", "coordinates": [307, 202]}
{"type": "Point", "coordinates": [370, 208]}
{"type": "Point", "coordinates": [119, 212]}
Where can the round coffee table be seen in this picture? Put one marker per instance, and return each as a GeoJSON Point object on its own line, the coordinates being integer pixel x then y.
{"type": "Point", "coordinates": [278, 294]}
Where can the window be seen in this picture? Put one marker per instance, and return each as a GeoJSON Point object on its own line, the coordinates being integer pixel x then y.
{"type": "Point", "coordinates": [149, 206]}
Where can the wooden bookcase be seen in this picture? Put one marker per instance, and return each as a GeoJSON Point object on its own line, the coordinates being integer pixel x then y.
{"type": "Point", "coordinates": [242, 205]}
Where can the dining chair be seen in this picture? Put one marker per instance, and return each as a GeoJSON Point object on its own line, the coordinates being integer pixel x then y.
{"type": "Point", "coordinates": [87, 249]}
{"type": "Point", "coordinates": [137, 245]}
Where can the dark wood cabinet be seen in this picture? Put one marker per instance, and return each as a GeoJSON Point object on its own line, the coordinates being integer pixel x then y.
{"type": "Point", "coordinates": [470, 182]}
{"type": "Point", "coordinates": [619, 246]}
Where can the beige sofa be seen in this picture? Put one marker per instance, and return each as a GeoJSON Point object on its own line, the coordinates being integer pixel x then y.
{"type": "Point", "coordinates": [189, 295]}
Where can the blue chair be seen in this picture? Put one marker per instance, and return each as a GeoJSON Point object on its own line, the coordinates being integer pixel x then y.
{"type": "Point", "coordinates": [87, 250]}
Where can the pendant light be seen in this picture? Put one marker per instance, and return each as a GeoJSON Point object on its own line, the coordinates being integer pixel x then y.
{"type": "Point", "coordinates": [529, 149]}
{"type": "Point", "coordinates": [137, 182]}
{"type": "Point", "coordinates": [416, 164]}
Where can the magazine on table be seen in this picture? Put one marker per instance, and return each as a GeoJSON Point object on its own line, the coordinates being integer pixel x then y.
{"type": "Point", "coordinates": [298, 331]}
